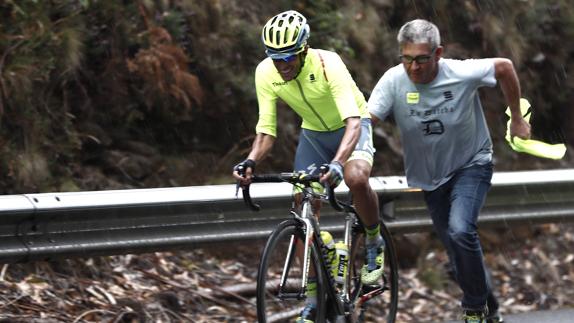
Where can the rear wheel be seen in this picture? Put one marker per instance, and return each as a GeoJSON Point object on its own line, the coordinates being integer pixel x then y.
{"type": "Point", "coordinates": [374, 304]}
{"type": "Point", "coordinates": [278, 302]}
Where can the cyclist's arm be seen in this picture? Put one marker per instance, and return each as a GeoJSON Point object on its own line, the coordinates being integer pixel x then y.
{"type": "Point", "coordinates": [505, 74]}
{"type": "Point", "coordinates": [345, 92]}
{"type": "Point", "coordinates": [261, 146]}
{"type": "Point", "coordinates": [350, 139]}
{"type": "Point", "coordinates": [341, 85]}
{"type": "Point", "coordinates": [266, 128]}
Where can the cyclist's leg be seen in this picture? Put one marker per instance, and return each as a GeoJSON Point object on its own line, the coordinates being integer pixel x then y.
{"type": "Point", "coordinates": [357, 174]}
{"type": "Point", "coordinates": [374, 302]}
{"type": "Point", "coordinates": [314, 149]}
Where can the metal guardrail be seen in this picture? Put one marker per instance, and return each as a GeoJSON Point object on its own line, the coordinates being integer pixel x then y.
{"type": "Point", "coordinates": [49, 225]}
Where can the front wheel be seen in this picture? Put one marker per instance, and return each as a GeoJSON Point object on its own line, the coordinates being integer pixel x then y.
{"type": "Point", "coordinates": [280, 294]}
{"type": "Point", "coordinates": [374, 304]}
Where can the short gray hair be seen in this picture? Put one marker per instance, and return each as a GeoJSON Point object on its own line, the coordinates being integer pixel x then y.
{"type": "Point", "coordinates": [419, 31]}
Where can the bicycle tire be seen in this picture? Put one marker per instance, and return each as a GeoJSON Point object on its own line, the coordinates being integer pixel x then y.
{"type": "Point", "coordinates": [383, 307]}
{"type": "Point", "coordinates": [271, 307]}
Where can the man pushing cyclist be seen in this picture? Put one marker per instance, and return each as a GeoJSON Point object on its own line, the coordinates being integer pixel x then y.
{"type": "Point", "coordinates": [447, 147]}
{"type": "Point", "coordinates": [336, 128]}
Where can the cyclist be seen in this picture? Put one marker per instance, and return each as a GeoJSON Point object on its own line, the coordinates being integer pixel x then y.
{"type": "Point", "coordinates": [447, 146]}
{"type": "Point", "coordinates": [336, 128]}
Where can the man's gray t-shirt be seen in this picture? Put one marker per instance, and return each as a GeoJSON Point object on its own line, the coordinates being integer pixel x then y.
{"type": "Point", "coordinates": [442, 124]}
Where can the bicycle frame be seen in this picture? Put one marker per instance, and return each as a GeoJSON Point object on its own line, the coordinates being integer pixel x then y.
{"type": "Point", "coordinates": [341, 299]}
{"type": "Point", "coordinates": [308, 220]}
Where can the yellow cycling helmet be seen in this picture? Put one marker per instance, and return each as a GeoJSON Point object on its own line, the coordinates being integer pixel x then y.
{"type": "Point", "coordinates": [285, 34]}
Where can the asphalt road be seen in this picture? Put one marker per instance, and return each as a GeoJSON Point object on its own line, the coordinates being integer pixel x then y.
{"type": "Point", "coordinates": [559, 316]}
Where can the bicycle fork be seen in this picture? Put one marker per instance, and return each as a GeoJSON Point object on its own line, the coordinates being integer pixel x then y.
{"type": "Point", "coordinates": [341, 298]}
{"type": "Point", "coordinates": [309, 231]}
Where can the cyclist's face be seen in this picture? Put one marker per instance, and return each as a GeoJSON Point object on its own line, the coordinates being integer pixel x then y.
{"type": "Point", "coordinates": [288, 68]}
{"type": "Point", "coordinates": [420, 61]}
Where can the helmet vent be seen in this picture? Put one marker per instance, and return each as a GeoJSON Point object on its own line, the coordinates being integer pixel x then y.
{"type": "Point", "coordinates": [295, 35]}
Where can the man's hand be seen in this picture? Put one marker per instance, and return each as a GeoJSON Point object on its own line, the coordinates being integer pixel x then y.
{"type": "Point", "coordinates": [520, 128]}
{"type": "Point", "coordinates": [242, 172]}
{"type": "Point", "coordinates": [335, 174]}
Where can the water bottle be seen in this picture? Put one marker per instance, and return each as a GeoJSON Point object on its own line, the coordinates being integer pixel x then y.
{"type": "Point", "coordinates": [341, 256]}
{"type": "Point", "coordinates": [329, 245]}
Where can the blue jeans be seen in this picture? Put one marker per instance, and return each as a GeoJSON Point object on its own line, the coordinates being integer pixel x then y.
{"type": "Point", "coordinates": [454, 209]}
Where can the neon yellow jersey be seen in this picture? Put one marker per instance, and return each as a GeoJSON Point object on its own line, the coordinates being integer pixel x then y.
{"type": "Point", "coordinates": [323, 94]}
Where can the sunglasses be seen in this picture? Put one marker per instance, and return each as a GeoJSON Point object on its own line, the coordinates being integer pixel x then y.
{"type": "Point", "coordinates": [420, 59]}
{"type": "Point", "coordinates": [286, 59]}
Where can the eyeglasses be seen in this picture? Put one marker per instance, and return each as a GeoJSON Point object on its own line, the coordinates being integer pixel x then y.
{"type": "Point", "coordinates": [420, 59]}
{"type": "Point", "coordinates": [286, 59]}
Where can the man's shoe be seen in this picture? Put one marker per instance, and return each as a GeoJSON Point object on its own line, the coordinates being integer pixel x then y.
{"type": "Point", "coordinates": [470, 316]}
{"type": "Point", "coordinates": [372, 272]}
{"type": "Point", "coordinates": [494, 318]}
{"type": "Point", "coordinates": [307, 314]}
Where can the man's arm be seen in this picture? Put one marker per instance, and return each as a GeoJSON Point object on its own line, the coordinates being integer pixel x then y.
{"type": "Point", "coordinates": [505, 74]}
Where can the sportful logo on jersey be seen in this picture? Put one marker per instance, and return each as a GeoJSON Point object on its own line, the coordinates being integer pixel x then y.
{"type": "Point", "coordinates": [413, 97]}
{"type": "Point", "coordinates": [279, 83]}
{"type": "Point", "coordinates": [448, 95]}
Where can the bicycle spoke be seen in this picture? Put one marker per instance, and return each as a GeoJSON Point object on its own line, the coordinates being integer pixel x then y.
{"type": "Point", "coordinates": [276, 303]}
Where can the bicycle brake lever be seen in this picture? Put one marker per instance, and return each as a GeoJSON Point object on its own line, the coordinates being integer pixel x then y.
{"type": "Point", "coordinates": [237, 186]}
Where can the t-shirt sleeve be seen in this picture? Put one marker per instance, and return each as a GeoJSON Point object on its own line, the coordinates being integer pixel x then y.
{"type": "Point", "coordinates": [488, 76]}
{"type": "Point", "coordinates": [481, 71]}
{"type": "Point", "coordinates": [341, 83]}
{"type": "Point", "coordinates": [267, 101]}
{"type": "Point", "coordinates": [380, 102]}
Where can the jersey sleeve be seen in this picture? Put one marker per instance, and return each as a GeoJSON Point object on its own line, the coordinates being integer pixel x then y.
{"type": "Point", "coordinates": [380, 102]}
{"type": "Point", "coordinates": [267, 101]}
{"type": "Point", "coordinates": [342, 84]}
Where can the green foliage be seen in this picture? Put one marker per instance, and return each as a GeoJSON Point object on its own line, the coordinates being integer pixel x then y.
{"type": "Point", "coordinates": [42, 51]}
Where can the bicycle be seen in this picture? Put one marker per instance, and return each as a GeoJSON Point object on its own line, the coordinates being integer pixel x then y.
{"type": "Point", "coordinates": [283, 276]}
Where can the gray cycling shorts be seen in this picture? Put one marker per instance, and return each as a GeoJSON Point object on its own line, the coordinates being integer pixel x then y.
{"type": "Point", "coordinates": [316, 148]}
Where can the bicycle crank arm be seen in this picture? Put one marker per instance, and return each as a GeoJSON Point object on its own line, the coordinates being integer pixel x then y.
{"type": "Point", "coordinates": [291, 296]}
{"type": "Point", "coordinates": [370, 294]}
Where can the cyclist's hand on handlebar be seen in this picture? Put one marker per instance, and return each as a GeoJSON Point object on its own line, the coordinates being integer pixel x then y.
{"type": "Point", "coordinates": [334, 174]}
{"type": "Point", "coordinates": [242, 172]}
